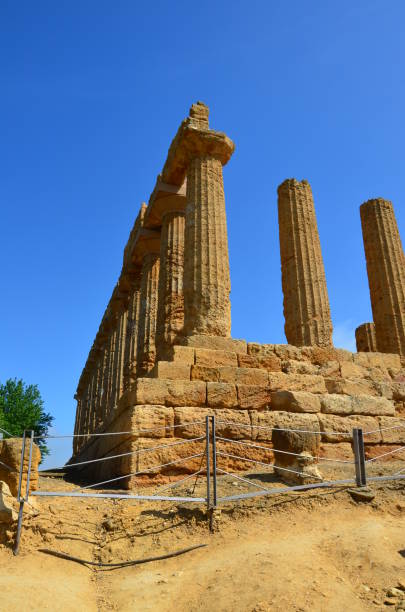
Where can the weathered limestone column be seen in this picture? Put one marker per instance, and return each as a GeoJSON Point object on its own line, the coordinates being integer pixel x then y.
{"type": "Point", "coordinates": [306, 304]}
{"type": "Point", "coordinates": [207, 285]}
{"type": "Point", "coordinates": [366, 341]}
{"type": "Point", "coordinates": [148, 311]}
{"type": "Point", "coordinates": [131, 338]}
{"type": "Point", "coordinates": [386, 274]}
{"type": "Point", "coordinates": [170, 311]}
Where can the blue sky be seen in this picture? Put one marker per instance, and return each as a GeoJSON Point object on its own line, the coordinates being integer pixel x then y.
{"type": "Point", "coordinates": [91, 96]}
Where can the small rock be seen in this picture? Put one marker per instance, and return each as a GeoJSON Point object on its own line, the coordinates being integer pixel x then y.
{"type": "Point", "coordinates": [108, 525]}
{"type": "Point", "coordinates": [163, 581]}
{"type": "Point", "coordinates": [401, 584]}
{"type": "Point", "coordinates": [394, 592]}
{"type": "Point", "coordinates": [362, 494]}
{"type": "Point", "coordinates": [389, 602]}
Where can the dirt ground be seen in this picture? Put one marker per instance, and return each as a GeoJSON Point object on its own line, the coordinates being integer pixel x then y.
{"type": "Point", "coordinates": [318, 550]}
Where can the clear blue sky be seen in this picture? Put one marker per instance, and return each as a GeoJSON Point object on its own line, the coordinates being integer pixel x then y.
{"type": "Point", "coordinates": [92, 93]}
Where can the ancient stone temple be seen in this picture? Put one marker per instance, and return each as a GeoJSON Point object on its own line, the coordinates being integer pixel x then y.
{"type": "Point", "coordinates": [163, 355]}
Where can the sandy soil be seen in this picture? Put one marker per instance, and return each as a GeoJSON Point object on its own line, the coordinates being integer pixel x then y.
{"type": "Point", "coordinates": [312, 551]}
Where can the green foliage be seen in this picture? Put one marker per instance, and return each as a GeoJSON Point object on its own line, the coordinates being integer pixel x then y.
{"type": "Point", "coordinates": [21, 407]}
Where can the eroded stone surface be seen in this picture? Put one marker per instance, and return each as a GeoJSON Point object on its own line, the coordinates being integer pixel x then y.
{"type": "Point", "coordinates": [306, 303]}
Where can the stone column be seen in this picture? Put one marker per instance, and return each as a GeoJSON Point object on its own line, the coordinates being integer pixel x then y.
{"type": "Point", "coordinates": [207, 285]}
{"type": "Point", "coordinates": [306, 304]}
{"type": "Point", "coordinates": [366, 341]}
{"type": "Point", "coordinates": [170, 312]}
{"type": "Point", "coordinates": [386, 274]}
{"type": "Point", "coordinates": [148, 311]}
{"type": "Point", "coordinates": [131, 338]}
{"type": "Point", "coordinates": [199, 153]}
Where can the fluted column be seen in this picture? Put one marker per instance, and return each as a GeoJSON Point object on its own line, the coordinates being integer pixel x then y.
{"type": "Point", "coordinates": [306, 303]}
{"type": "Point", "coordinates": [386, 274]}
{"type": "Point", "coordinates": [366, 341]}
{"type": "Point", "coordinates": [148, 312]}
{"type": "Point", "coordinates": [131, 338]}
{"type": "Point", "coordinates": [207, 285]}
{"type": "Point", "coordinates": [170, 312]}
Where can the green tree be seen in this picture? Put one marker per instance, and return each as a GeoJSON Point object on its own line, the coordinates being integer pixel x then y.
{"type": "Point", "coordinates": [22, 407]}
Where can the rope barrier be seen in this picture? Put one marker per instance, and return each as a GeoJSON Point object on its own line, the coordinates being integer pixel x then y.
{"type": "Point", "coordinates": [373, 431]}
{"type": "Point", "coordinates": [155, 467]}
{"type": "Point", "coordinates": [310, 431]}
{"type": "Point", "coordinates": [120, 433]}
{"type": "Point", "coordinates": [268, 465]}
{"type": "Point", "coordinates": [178, 482]}
{"type": "Point", "coordinates": [242, 479]}
{"type": "Point", "coordinates": [141, 450]}
{"type": "Point", "coordinates": [276, 450]}
{"type": "Point", "coordinates": [7, 432]}
{"type": "Point", "coordinates": [397, 450]}
{"type": "Point", "coordinates": [8, 467]}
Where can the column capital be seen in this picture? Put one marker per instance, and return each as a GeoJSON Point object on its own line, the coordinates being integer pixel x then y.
{"type": "Point", "coordinates": [191, 142]}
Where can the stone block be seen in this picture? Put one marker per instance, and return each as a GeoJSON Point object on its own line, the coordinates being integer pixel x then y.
{"type": "Point", "coordinates": [320, 355]}
{"type": "Point", "coordinates": [340, 428]}
{"type": "Point", "coordinates": [339, 450]}
{"type": "Point", "coordinates": [253, 397]}
{"type": "Point", "coordinates": [350, 387]}
{"type": "Point", "coordinates": [170, 370]}
{"type": "Point", "coordinates": [244, 376]}
{"type": "Point", "coordinates": [8, 512]}
{"type": "Point", "coordinates": [10, 455]}
{"type": "Point", "coordinates": [279, 381]}
{"type": "Point", "coordinates": [221, 395]}
{"type": "Point", "coordinates": [214, 358]}
{"type": "Point", "coordinates": [392, 430]}
{"type": "Point", "coordinates": [191, 420]}
{"type": "Point", "coordinates": [217, 343]}
{"type": "Point", "coordinates": [205, 373]}
{"type": "Point", "coordinates": [398, 391]}
{"type": "Point", "coordinates": [271, 362]}
{"type": "Point", "coordinates": [163, 452]}
{"type": "Point", "coordinates": [292, 366]}
{"type": "Point", "coordinates": [330, 369]}
{"type": "Point", "coordinates": [282, 351]}
{"type": "Point", "coordinates": [295, 401]}
{"type": "Point", "coordinates": [170, 392]}
{"type": "Point", "coordinates": [262, 424]}
{"type": "Point", "coordinates": [295, 436]}
{"type": "Point", "coordinates": [377, 360]}
{"type": "Point", "coordinates": [150, 421]}
{"type": "Point", "coordinates": [182, 354]}
{"type": "Point", "coordinates": [348, 369]}
{"type": "Point", "coordinates": [346, 405]}
{"type": "Point", "coordinates": [234, 424]}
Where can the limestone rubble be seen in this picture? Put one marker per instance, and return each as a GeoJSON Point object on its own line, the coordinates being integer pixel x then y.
{"type": "Point", "coordinates": [163, 358]}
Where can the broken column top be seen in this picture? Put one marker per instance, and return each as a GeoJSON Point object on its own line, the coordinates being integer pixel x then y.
{"type": "Point", "coordinates": [376, 203]}
{"type": "Point", "coordinates": [198, 115]}
{"type": "Point", "coordinates": [292, 182]}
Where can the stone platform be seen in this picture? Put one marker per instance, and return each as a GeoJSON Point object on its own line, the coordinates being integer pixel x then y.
{"type": "Point", "coordinates": [246, 384]}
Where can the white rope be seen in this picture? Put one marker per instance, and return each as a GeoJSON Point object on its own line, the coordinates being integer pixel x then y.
{"type": "Point", "coordinates": [268, 465]}
{"type": "Point", "coordinates": [121, 433]}
{"type": "Point", "coordinates": [8, 467]}
{"type": "Point", "coordinates": [275, 450]}
{"type": "Point", "coordinates": [373, 431]}
{"type": "Point", "coordinates": [242, 479]}
{"type": "Point", "coordinates": [397, 450]}
{"type": "Point", "coordinates": [177, 482]}
{"type": "Point", "coordinates": [155, 467]}
{"type": "Point", "coordinates": [136, 452]}
{"type": "Point", "coordinates": [7, 432]}
{"type": "Point", "coordinates": [310, 431]}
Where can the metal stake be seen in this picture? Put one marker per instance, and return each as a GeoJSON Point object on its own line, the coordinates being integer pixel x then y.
{"type": "Point", "coordinates": [20, 499]}
{"type": "Point", "coordinates": [207, 454]}
{"type": "Point", "coordinates": [214, 460]}
{"type": "Point", "coordinates": [359, 457]}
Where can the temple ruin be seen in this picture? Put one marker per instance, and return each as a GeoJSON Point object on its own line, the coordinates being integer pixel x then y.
{"type": "Point", "coordinates": [163, 354]}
